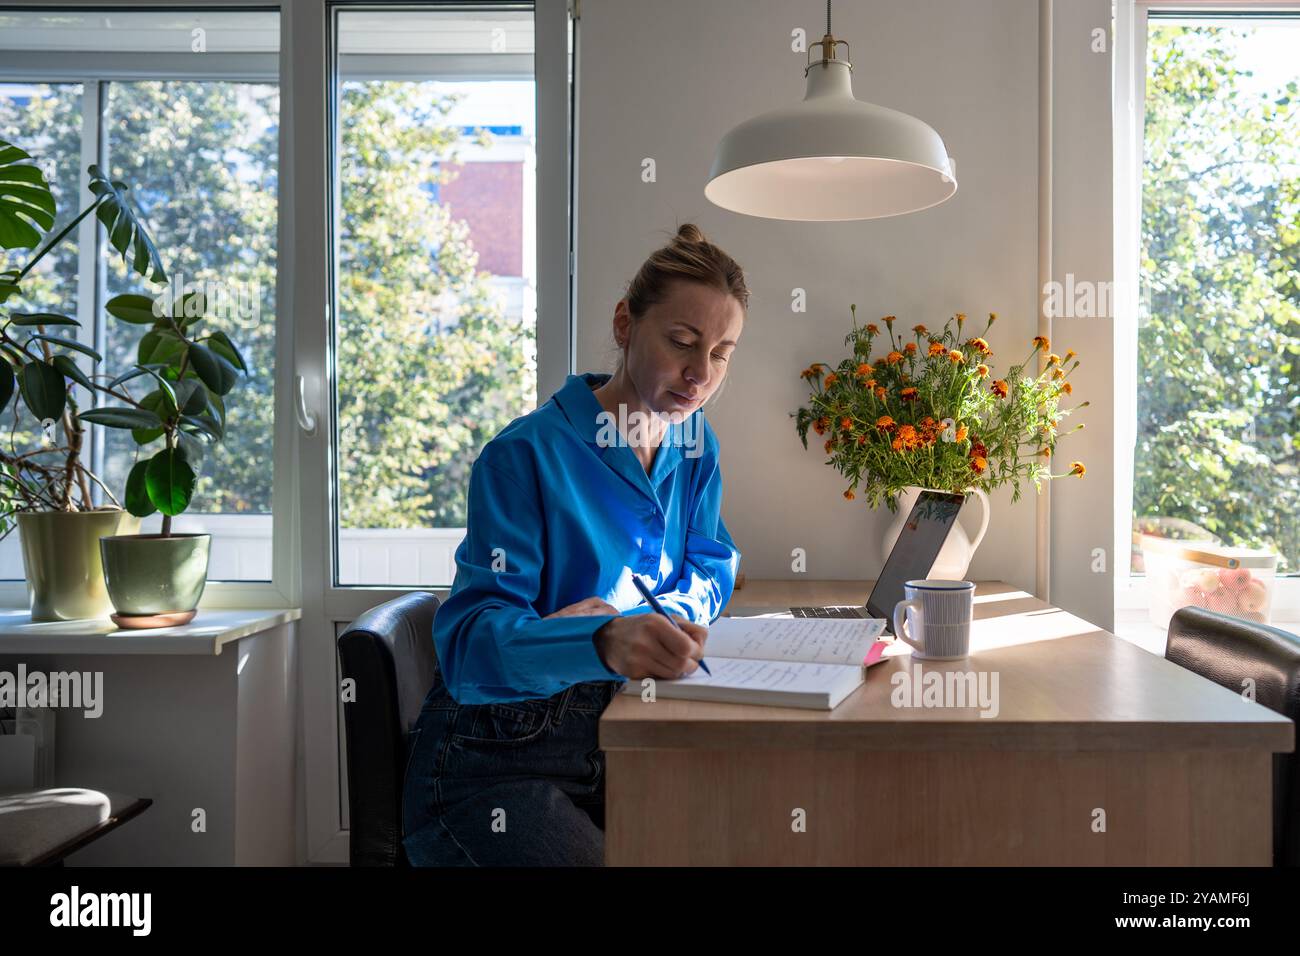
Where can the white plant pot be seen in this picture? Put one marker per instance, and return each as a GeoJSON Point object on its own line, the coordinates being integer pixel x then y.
{"type": "Point", "coordinates": [958, 549]}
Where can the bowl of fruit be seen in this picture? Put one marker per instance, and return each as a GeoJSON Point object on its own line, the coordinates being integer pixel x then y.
{"type": "Point", "coordinates": [1234, 581]}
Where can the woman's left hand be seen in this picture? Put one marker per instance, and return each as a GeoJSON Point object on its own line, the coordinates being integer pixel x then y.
{"type": "Point", "coordinates": [586, 607]}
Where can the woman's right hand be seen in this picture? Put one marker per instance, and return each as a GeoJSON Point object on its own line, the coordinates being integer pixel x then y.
{"type": "Point", "coordinates": [647, 645]}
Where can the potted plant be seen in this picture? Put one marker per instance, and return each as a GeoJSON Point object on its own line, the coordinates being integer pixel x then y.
{"type": "Point", "coordinates": [930, 414]}
{"type": "Point", "coordinates": [47, 491]}
{"type": "Point", "coordinates": [157, 579]}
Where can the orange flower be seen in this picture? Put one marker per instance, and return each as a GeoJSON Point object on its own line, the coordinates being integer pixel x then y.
{"type": "Point", "coordinates": [1041, 342]}
{"type": "Point", "coordinates": [830, 443]}
{"type": "Point", "coordinates": [819, 426]}
{"type": "Point", "coordinates": [982, 371]}
{"type": "Point", "coordinates": [890, 319]}
{"type": "Point", "coordinates": [1057, 374]}
{"type": "Point", "coordinates": [831, 379]}
{"type": "Point", "coordinates": [907, 439]}
{"type": "Point", "coordinates": [979, 345]}
{"type": "Point", "coordinates": [937, 348]}
{"type": "Point", "coordinates": [999, 388]}
{"type": "Point", "coordinates": [1045, 452]}
{"type": "Point", "coordinates": [961, 433]}
{"type": "Point", "coordinates": [880, 392]}
{"type": "Point", "coordinates": [873, 329]}
{"type": "Point", "coordinates": [1053, 359]}
{"type": "Point", "coordinates": [864, 368]}
{"type": "Point", "coordinates": [871, 383]}
{"type": "Point", "coordinates": [846, 423]}
{"type": "Point", "coordinates": [849, 494]}
{"type": "Point", "coordinates": [1067, 388]}
{"type": "Point", "coordinates": [893, 358]}
{"type": "Point", "coordinates": [910, 347]}
{"type": "Point", "coordinates": [956, 357]}
{"type": "Point", "coordinates": [919, 329]}
{"type": "Point", "coordinates": [960, 317]}
{"type": "Point", "coordinates": [979, 464]}
{"type": "Point", "coordinates": [1069, 354]}
{"type": "Point", "coordinates": [1076, 468]}
{"type": "Point", "coordinates": [862, 439]}
{"type": "Point", "coordinates": [908, 394]}
{"type": "Point", "coordinates": [884, 423]}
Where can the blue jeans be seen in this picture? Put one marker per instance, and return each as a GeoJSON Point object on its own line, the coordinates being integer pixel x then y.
{"type": "Point", "coordinates": [510, 784]}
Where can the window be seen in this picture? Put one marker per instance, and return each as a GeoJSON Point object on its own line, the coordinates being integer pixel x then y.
{"type": "Point", "coordinates": [209, 194]}
{"type": "Point", "coordinates": [435, 294]}
{"type": "Point", "coordinates": [46, 120]}
{"type": "Point", "coordinates": [1218, 344]}
{"type": "Point", "coordinates": [192, 128]}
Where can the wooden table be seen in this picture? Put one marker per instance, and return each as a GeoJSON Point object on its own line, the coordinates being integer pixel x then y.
{"type": "Point", "coordinates": [1100, 753]}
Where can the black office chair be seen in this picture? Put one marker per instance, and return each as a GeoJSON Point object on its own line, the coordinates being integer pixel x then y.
{"type": "Point", "coordinates": [1227, 650]}
{"type": "Point", "coordinates": [388, 652]}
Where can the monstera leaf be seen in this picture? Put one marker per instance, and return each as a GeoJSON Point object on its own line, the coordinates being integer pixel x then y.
{"type": "Point", "coordinates": [25, 200]}
{"type": "Point", "coordinates": [126, 231]}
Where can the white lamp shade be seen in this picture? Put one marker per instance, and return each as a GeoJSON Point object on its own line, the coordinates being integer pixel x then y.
{"type": "Point", "coordinates": [830, 157]}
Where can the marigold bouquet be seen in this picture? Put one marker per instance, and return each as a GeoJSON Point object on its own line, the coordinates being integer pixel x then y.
{"type": "Point", "coordinates": [931, 413]}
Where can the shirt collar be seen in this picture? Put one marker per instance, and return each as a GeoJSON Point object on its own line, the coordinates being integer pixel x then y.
{"type": "Point", "coordinates": [582, 408]}
{"type": "Point", "coordinates": [580, 405]}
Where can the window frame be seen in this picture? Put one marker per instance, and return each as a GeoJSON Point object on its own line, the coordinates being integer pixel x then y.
{"type": "Point", "coordinates": [1129, 89]}
{"type": "Point", "coordinates": [308, 52]}
{"type": "Point", "coordinates": [93, 72]}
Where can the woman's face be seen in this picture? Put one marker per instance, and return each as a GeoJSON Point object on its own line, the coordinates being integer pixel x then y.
{"type": "Point", "coordinates": [677, 354]}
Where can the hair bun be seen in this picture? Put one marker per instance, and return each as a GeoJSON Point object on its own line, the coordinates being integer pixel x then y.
{"type": "Point", "coordinates": [689, 232]}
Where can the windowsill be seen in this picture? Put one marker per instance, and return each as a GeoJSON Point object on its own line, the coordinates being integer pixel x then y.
{"type": "Point", "coordinates": [207, 634]}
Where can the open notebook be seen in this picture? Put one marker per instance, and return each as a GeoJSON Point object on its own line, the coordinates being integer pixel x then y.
{"type": "Point", "coordinates": [782, 662]}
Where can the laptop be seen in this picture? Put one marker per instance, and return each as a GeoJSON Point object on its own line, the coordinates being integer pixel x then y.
{"type": "Point", "coordinates": [912, 557]}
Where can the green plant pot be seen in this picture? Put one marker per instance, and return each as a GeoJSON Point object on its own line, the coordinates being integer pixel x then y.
{"type": "Point", "coordinates": [150, 574]}
{"type": "Point", "coordinates": [61, 559]}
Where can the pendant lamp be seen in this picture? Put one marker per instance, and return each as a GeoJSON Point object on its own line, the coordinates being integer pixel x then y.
{"type": "Point", "coordinates": [830, 157]}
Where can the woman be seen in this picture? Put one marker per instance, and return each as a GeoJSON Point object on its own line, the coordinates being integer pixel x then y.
{"type": "Point", "coordinates": [616, 475]}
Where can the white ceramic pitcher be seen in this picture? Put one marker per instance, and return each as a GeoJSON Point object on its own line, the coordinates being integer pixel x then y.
{"type": "Point", "coordinates": [958, 549]}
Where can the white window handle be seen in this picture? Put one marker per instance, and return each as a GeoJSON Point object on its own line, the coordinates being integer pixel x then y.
{"type": "Point", "coordinates": [306, 418]}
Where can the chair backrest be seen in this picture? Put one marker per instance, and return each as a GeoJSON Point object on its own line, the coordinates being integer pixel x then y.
{"type": "Point", "coordinates": [388, 653]}
{"type": "Point", "coordinates": [1228, 650]}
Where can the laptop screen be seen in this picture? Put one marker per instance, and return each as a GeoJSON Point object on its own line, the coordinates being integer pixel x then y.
{"type": "Point", "coordinates": [923, 535]}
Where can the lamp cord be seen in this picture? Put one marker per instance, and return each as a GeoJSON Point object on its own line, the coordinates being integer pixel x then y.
{"type": "Point", "coordinates": [828, 17]}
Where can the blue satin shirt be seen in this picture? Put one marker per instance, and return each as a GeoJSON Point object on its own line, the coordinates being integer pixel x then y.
{"type": "Point", "coordinates": [557, 513]}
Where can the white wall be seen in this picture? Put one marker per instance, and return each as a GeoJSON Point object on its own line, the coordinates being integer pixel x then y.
{"type": "Point", "coordinates": [665, 80]}
{"type": "Point", "coordinates": [1083, 511]}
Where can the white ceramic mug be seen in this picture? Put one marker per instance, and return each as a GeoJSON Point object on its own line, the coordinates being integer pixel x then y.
{"type": "Point", "coordinates": [935, 618]}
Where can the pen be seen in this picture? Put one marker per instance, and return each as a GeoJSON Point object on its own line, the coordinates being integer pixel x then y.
{"type": "Point", "coordinates": [658, 609]}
